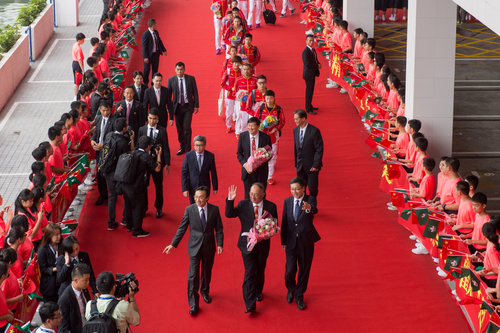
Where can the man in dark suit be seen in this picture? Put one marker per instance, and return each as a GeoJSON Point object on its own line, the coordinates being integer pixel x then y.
{"type": "Point", "coordinates": [104, 124]}
{"type": "Point", "coordinates": [152, 48]}
{"type": "Point", "coordinates": [298, 236]}
{"type": "Point", "coordinates": [158, 135]}
{"type": "Point", "coordinates": [97, 97]}
{"type": "Point", "coordinates": [308, 151]}
{"type": "Point", "coordinates": [203, 220]}
{"type": "Point", "coordinates": [131, 110]}
{"type": "Point", "coordinates": [65, 263]}
{"type": "Point", "coordinates": [138, 86]}
{"type": "Point", "coordinates": [197, 167]}
{"type": "Point", "coordinates": [158, 97]}
{"type": "Point", "coordinates": [310, 71]}
{"type": "Point", "coordinates": [185, 102]}
{"type": "Point", "coordinates": [73, 301]}
{"type": "Point", "coordinates": [248, 211]}
{"type": "Point", "coordinates": [247, 143]}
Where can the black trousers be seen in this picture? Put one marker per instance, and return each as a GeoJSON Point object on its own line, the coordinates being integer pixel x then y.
{"type": "Point", "coordinates": [135, 201]}
{"type": "Point", "coordinates": [153, 64]}
{"type": "Point", "coordinates": [255, 268]}
{"type": "Point", "coordinates": [301, 257]}
{"type": "Point", "coordinates": [183, 118]}
{"type": "Point", "coordinates": [311, 178]}
{"type": "Point", "coordinates": [102, 186]}
{"type": "Point", "coordinates": [204, 259]}
{"type": "Point", "coordinates": [158, 181]}
{"type": "Point", "coordinates": [309, 93]}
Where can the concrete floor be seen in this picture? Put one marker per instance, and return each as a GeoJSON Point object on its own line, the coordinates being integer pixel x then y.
{"type": "Point", "coordinates": [476, 125]}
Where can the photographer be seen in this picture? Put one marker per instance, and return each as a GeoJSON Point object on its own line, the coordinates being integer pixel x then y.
{"type": "Point", "coordinates": [125, 313]}
{"type": "Point", "coordinates": [159, 138]}
{"type": "Point", "coordinates": [136, 193]}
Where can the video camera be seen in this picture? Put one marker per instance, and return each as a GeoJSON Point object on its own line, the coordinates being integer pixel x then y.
{"type": "Point", "coordinates": [123, 283]}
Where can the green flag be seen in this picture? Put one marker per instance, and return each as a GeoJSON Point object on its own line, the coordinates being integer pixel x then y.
{"type": "Point", "coordinates": [84, 160]}
{"type": "Point", "coordinates": [440, 241]}
{"type": "Point", "coordinates": [359, 84]}
{"type": "Point", "coordinates": [117, 79]}
{"type": "Point", "coordinates": [325, 53]}
{"type": "Point", "coordinates": [320, 42]}
{"type": "Point", "coordinates": [369, 115]}
{"type": "Point", "coordinates": [38, 297]}
{"type": "Point", "coordinates": [319, 27]}
{"type": "Point", "coordinates": [378, 124]}
{"type": "Point", "coordinates": [464, 272]}
{"type": "Point", "coordinates": [422, 215]}
{"type": "Point", "coordinates": [51, 184]}
{"type": "Point", "coordinates": [474, 282]}
{"type": "Point", "coordinates": [405, 214]}
{"type": "Point", "coordinates": [431, 229]}
{"type": "Point", "coordinates": [361, 67]}
{"type": "Point", "coordinates": [453, 262]}
{"type": "Point", "coordinates": [376, 155]}
{"type": "Point", "coordinates": [124, 54]}
{"type": "Point", "coordinates": [72, 180]}
{"type": "Point", "coordinates": [349, 79]}
{"type": "Point", "coordinates": [377, 99]}
{"type": "Point", "coordinates": [492, 328]}
{"type": "Point", "coordinates": [69, 144]}
{"type": "Point", "coordinates": [487, 307]}
{"type": "Point", "coordinates": [345, 58]}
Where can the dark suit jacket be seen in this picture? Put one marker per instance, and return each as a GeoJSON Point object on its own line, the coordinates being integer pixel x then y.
{"type": "Point", "coordinates": [64, 273]}
{"type": "Point", "coordinates": [311, 68]}
{"type": "Point", "coordinates": [244, 211]}
{"type": "Point", "coordinates": [138, 97]}
{"type": "Point", "coordinates": [70, 310]}
{"type": "Point", "coordinates": [165, 106]}
{"type": "Point", "coordinates": [109, 127]}
{"type": "Point", "coordinates": [197, 235]}
{"type": "Point", "coordinates": [301, 230]}
{"type": "Point", "coordinates": [147, 44]}
{"type": "Point", "coordinates": [161, 138]}
{"type": "Point", "coordinates": [192, 91]}
{"type": "Point", "coordinates": [192, 178]}
{"type": "Point", "coordinates": [47, 262]}
{"type": "Point", "coordinates": [311, 154]}
{"type": "Point", "coordinates": [244, 152]}
{"type": "Point", "coordinates": [95, 99]}
{"type": "Point", "coordinates": [136, 118]}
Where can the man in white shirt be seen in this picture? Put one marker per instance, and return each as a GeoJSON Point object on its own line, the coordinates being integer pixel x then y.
{"type": "Point", "coordinates": [203, 220]}
{"type": "Point", "coordinates": [51, 317]}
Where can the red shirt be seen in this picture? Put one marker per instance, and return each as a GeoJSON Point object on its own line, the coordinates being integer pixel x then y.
{"type": "Point", "coordinates": [477, 233]}
{"type": "Point", "coordinates": [392, 100]}
{"type": "Point", "coordinates": [4, 310]}
{"type": "Point", "coordinates": [228, 80]}
{"type": "Point", "coordinates": [25, 249]}
{"type": "Point", "coordinates": [410, 151]}
{"type": "Point", "coordinates": [103, 66]}
{"type": "Point", "coordinates": [10, 287]}
{"type": "Point", "coordinates": [441, 181]}
{"type": "Point", "coordinates": [357, 49]}
{"type": "Point", "coordinates": [427, 187]}
{"type": "Point", "coordinates": [248, 85]}
{"type": "Point", "coordinates": [18, 267]}
{"type": "Point", "coordinates": [77, 52]}
{"type": "Point", "coordinates": [449, 192]}
{"type": "Point", "coordinates": [465, 215]}
{"type": "Point", "coordinates": [252, 108]}
{"type": "Point", "coordinates": [402, 140]}
{"type": "Point", "coordinates": [281, 121]}
{"type": "Point", "coordinates": [252, 54]}
{"type": "Point", "coordinates": [112, 47]}
{"type": "Point", "coordinates": [418, 169]}
{"type": "Point", "coordinates": [345, 40]}
{"type": "Point", "coordinates": [491, 259]}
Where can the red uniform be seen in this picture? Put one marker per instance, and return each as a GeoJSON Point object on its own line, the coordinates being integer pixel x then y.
{"type": "Point", "coordinates": [252, 54]}
{"type": "Point", "coordinates": [231, 33]}
{"type": "Point", "coordinates": [228, 79]}
{"type": "Point", "coordinates": [477, 233]}
{"type": "Point", "coordinates": [254, 101]}
{"type": "Point", "coordinates": [246, 84]}
{"type": "Point", "coordinates": [427, 187]}
{"type": "Point", "coordinates": [465, 215]}
{"type": "Point", "coordinates": [4, 310]}
{"type": "Point", "coordinates": [264, 112]}
{"type": "Point", "coordinates": [10, 287]}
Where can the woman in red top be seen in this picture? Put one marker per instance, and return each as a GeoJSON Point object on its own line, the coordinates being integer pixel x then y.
{"type": "Point", "coordinates": [6, 316]}
{"type": "Point", "coordinates": [10, 286]}
{"type": "Point", "coordinates": [491, 256]}
{"type": "Point", "coordinates": [13, 240]}
{"type": "Point", "coordinates": [235, 33]}
{"type": "Point", "coordinates": [25, 248]}
{"type": "Point", "coordinates": [35, 233]}
{"type": "Point", "coordinates": [23, 205]}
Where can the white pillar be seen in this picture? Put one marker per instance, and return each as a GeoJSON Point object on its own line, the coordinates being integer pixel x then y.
{"type": "Point", "coordinates": [430, 71]}
{"type": "Point", "coordinates": [359, 14]}
{"type": "Point", "coordinates": [67, 13]}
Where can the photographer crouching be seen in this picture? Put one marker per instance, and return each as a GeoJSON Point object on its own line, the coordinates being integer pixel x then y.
{"type": "Point", "coordinates": [111, 301]}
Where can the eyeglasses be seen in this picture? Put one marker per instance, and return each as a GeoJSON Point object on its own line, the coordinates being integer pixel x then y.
{"type": "Point", "coordinates": [199, 145]}
{"type": "Point", "coordinates": [261, 82]}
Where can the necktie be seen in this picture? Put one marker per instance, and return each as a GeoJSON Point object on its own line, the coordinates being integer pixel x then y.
{"type": "Point", "coordinates": [138, 93]}
{"type": "Point", "coordinates": [155, 48]}
{"type": "Point", "coordinates": [151, 133]}
{"type": "Point", "coordinates": [128, 111]}
{"type": "Point", "coordinates": [203, 219]}
{"type": "Point", "coordinates": [81, 303]}
{"type": "Point", "coordinates": [199, 162]}
{"type": "Point", "coordinates": [254, 147]}
{"type": "Point", "coordinates": [256, 212]}
{"type": "Point", "coordinates": [158, 96]}
{"type": "Point", "coordinates": [315, 55]}
{"type": "Point", "coordinates": [103, 129]}
{"type": "Point", "coordinates": [301, 138]}
{"type": "Point", "coordinates": [181, 88]}
{"type": "Point", "coordinates": [297, 209]}
{"type": "Point", "coordinates": [74, 262]}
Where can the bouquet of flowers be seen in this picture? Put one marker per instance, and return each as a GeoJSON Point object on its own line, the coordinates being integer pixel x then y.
{"type": "Point", "coordinates": [259, 157]}
{"type": "Point", "coordinates": [215, 7]}
{"type": "Point", "coordinates": [242, 95]}
{"type": "Point", "coordinates": [235, 39]}
{"type": "Point", "coordinates": [264, 228]}
{"type": "Point", "coordinates": [268, 122]}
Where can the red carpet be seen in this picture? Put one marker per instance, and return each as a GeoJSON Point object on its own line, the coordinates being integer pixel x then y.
{"type": "Point", "coordinates": [364, 276]}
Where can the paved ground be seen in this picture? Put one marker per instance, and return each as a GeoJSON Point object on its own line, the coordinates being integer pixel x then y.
{"type": "Point", "coordinates": [476, 134]}
{"type": "Point", "coordinates": [45, 93]}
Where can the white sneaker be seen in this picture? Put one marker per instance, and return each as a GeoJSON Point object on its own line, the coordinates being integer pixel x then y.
{"type": "Point", "coordinates": [343, 91]}
{"type": "Point", "coordinates": [310, 32]}
{"type": "Point", "coordinates": [70, 209]}
{"type": "Point", "coordinates": [418, 244]}
{"type": "Point", "coordinates": [303, 22]}
{"type": "Point", "coordinates": [377, 18]}
{"type": "Point", "coordinates": [383, 17]}
{"type": "Point", "coordinates": [404, 18]}
{"type": "Point", "coordinates": [391, 208]}
{"type": "Point", "coordinates": [412, 237]}
{"type": "Point", "coordinates": [392, 18]}
{"type": "Point", "coordinates": [436, 260]}
{"type": "Point", "coordinates": [83, 187]}
{"type": "Point", "coordinates": [332, 85]}
{"type": "Point", "coordinates": [442, 273]}
{"type": "Point", "coordinates": [420, 251]}
{"type": "Point", "coordinates": [89, 182]}
{"type": "Point", "coordinates": [330, 80]}
{"type": "Point", "coordinates": [76, 202]}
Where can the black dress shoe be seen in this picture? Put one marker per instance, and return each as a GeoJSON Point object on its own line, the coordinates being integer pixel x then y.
{"type": "Point", "coordinates": [312, 112]}
{"type": "Point", "coordinates": [207, 298]}
{"type": "Point", "coordinates": [180, 152]}
{"type": "Point", "coordinates": [250, 310]}
{"type": "Point", "coordinates": [159, 214]}
{"type": "Point", "coordinates": [193, 310]}
{"type": "Point", "coordinates": [301, 305]}
{"type": "Point", "coordinates": [259, 298]}
{"type": "Point", "coordinates": [289, 296]}
{"type": "Point", "coordinates": [100, 201]}
{"type": "Point", "coordinates": [315, 108]}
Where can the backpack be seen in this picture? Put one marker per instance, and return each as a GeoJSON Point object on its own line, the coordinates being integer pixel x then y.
{"type": "Point", "coordinates": [101, 322]}
{"type": "Point", "coordinates": [108, 154]}
{"type": "Point", "coordinates": [126, 168]}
